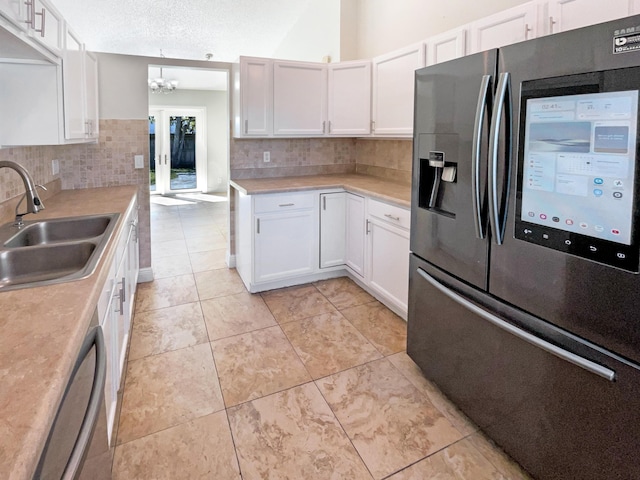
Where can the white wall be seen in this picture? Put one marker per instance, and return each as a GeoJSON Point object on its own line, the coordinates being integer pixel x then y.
{"type": "Point", "coordinates": [383, 25]}
{"type": "Point", "coordinates": [315, 35]}
{"type": "Point", "coordinates": [217, 105]}
{"type": "Point", "coordinates": [122, 87]}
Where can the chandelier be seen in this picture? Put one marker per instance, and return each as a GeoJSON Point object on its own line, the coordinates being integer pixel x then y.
{"type": "Point", "coordinates": [160, 84]}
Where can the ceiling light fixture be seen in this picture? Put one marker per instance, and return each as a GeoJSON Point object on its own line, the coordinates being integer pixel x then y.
{"type": "Point", "coordinates": [160, 84]}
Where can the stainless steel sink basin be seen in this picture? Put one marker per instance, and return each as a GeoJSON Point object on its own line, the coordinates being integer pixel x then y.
{"type": "Point", "coordinates": [20, 266]}
{"type": "Point", "coordinates": [52, 251]}
{"type": "Point", "coordinates": [60, 230]}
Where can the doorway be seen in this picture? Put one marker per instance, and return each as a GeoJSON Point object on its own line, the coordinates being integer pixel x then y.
{"type": "Point", "coordinates": [178, 150]}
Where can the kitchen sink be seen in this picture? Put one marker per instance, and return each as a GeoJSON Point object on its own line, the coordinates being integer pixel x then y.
{"type": "Point", "coordinates": [32, 266]}
{"type": "Point", "coordinates": [52, 251]}
{"type": "Point", "coordinates": [60, 230]}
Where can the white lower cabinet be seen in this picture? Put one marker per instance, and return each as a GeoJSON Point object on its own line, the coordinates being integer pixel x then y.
{"type": "Point", "coordinates": [388, 265]}
{"type": "Point", "coordinates": [332, 229]}
{"type": "Point", "coordinates": [284, 244]}
{"type": "Point", "coordinates": [115, 310]}
{"type": "Point", "coordinates": [355, 233]}
{"type": "Point", "coordinates": [277, 238]}
{"type": "Point", "coordinates": [294, 238]}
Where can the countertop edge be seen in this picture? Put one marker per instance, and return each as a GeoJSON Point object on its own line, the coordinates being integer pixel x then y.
{"type": "Point", "coordinates": [347, 182]}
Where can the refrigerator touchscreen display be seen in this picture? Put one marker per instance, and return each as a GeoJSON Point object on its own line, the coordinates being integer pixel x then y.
{"type": "Point", "coordinates": [577, 174]}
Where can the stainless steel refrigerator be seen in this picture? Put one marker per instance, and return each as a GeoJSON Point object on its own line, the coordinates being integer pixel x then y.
{"type": "Point", "coordinates": [524, 293]}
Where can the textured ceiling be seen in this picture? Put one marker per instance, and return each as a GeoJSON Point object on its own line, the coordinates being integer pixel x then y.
{"type": "Point", "coordinates": [187, 29]}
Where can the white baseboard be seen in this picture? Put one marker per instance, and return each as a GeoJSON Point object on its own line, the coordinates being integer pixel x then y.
{"type": "Point", "coordinates": [145, 275]}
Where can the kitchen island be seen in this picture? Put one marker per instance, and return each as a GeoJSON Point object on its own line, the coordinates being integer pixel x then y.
{"type": "Point", "coordinates": [42, 331]}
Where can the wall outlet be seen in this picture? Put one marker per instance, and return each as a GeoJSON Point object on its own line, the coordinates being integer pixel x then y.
{"type": "Point", "coordinates": [55, 167]}
{"type": "Point", "coordinates": [266, 156]}
{"type": "Point", "coordinates": [138, 161]}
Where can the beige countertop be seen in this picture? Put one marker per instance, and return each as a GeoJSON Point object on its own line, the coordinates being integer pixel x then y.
{"type": "Point", "coordinates": [41, 331]}
{"type": "Point", "coordinates": [386, 190]}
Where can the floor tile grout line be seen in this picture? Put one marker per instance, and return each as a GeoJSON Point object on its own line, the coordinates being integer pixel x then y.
{"type": "Point", "coordinates": [346, 434]}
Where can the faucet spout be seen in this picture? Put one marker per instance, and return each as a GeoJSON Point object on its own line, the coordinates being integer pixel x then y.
{"type": "Point", "coordinates": [34, 204]}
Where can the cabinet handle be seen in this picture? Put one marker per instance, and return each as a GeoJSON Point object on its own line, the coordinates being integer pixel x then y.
{"type": "Point", "coordinates": [329, 126]}
{"type": "Point", "coordinates": [257, 226]}
{"type": "Point", "coordinates": [367, 227]}
{"type": "Point", "coordinates": [527, 29]}
{"type": "Point", "coordinates": [324, 203]}
{"type": "Point", "coordinates": [324, 125]}
{"type": "Point", "coordinates": [552, 22]}
{"type": "Point", "coordinates": [41, 31]}
{"type": "Point", "coordinates": [31, 14]}
{"type": "Point", "coordinates": [165, 158]}
{"type": "Point", "coordinates": [246, 126]}
{"type": "Point", "coordinates": [373, 125]}
{"type": "Point", "coordinates": [124, 289]}
{"type": "Point", "coordinates": [286, 205]}
{"type": "Point", "coordinates": [392, 217]}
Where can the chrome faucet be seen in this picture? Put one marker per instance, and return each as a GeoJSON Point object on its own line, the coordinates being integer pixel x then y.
{"type": "Point", "coordinates": [34, 204]}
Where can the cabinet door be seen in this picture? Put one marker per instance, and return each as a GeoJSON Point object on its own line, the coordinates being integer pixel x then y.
{"type": "Point", "coordinates": [332, 229]}
{"type": "Point", "coordinates": [389, 262]}
{"type": "Point", "coordinates": [350, 98]}
{"type": "Point", "coordinates": [91, 94]}
{"type": "Point", "coordinates": [15, 11]}
{"type": "Point", "coordinates": [569, 14]}
{"type": "Point", "coordinates": [285, 244]}
{"type": "Point", "coordinates": [447, 46]}
{"type": "Point", "coordinates": [299, 98]}
{"type": "Point", "coordinates": [46, 25]}
{"type": "Point", "coordinates": [355, 233]}
{"type": "Point", "coordinates": [33, 93]}
{"type": "Point", "coordinates": [393, 79]}
{"type": "Point", "coordinates": [510, 26]}
{"type": "Point", "coordinates": [110, 389]}
{"type": "Point", "coordinates": [73, 84]}
{"type": "Point", "coordinates": [256, 96]}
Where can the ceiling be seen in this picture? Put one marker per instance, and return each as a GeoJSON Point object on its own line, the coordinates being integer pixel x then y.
{"type": "Point", "coordinates": [185, 29]}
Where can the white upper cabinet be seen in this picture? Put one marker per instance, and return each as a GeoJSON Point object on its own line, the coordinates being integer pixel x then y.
{"type": "Point", "coordinates": [504, 28]}
{"type": "Point", "coordinates": [349, 106]}
{"type": "Point", "coordinates": [446, 46]}
{"type": "Point", "coordinates": [254, 98]}
{"type": "Point", "coordinates": [45, 24]}
{"type": "Point", "coordinates": [299, 98]}
{"type": "Point", "coordinates": [569, 14]}
{"type": "Point", "coordinates": [393, 79]}
{"type": "Point", "coordinates": [15, 11]}
{"type": "Point", "coordinates": [80, 81]}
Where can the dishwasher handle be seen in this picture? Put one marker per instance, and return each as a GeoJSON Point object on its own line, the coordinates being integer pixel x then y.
{"type": "Point", "coordinates": [81, 447]}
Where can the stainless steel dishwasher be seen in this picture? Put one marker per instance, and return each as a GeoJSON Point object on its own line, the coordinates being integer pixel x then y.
{"type": "Point", "coordinates": [72, 435]}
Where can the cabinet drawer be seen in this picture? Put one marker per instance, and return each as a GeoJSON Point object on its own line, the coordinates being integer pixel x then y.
{"type": "Point", "coordinates": [284, 201]}
{"type": "Point", "coordinates": [393, 214]}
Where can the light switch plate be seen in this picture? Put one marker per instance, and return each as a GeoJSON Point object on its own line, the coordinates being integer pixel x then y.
{"type": "Point", "coordinates": [139, 161]}
{"type": "Point", "coordinates": [266, 156]}
{"type": "Point", "coordinates": [55, 167]}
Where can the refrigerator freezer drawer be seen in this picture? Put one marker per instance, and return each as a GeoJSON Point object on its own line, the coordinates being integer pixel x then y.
{"type": "Point", "coordinates": [557, 419]}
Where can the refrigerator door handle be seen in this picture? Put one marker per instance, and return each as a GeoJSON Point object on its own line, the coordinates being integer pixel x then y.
{"type": "Point", "coordinates": [561, 353]}
{"type": "Point", "coordinates": [481, 112]}
{"type": "Point", "coordinates": [502, 99]}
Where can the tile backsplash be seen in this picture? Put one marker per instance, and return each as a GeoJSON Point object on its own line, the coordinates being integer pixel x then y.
{"type": "Point", "coordinates": [104, 164]}
{"type": "Point", "coordinates": [391, 159]}
{"type": "Point", "coordinates": [291, 157]}
{"type": "Point", "coordinates": [311, 156]}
